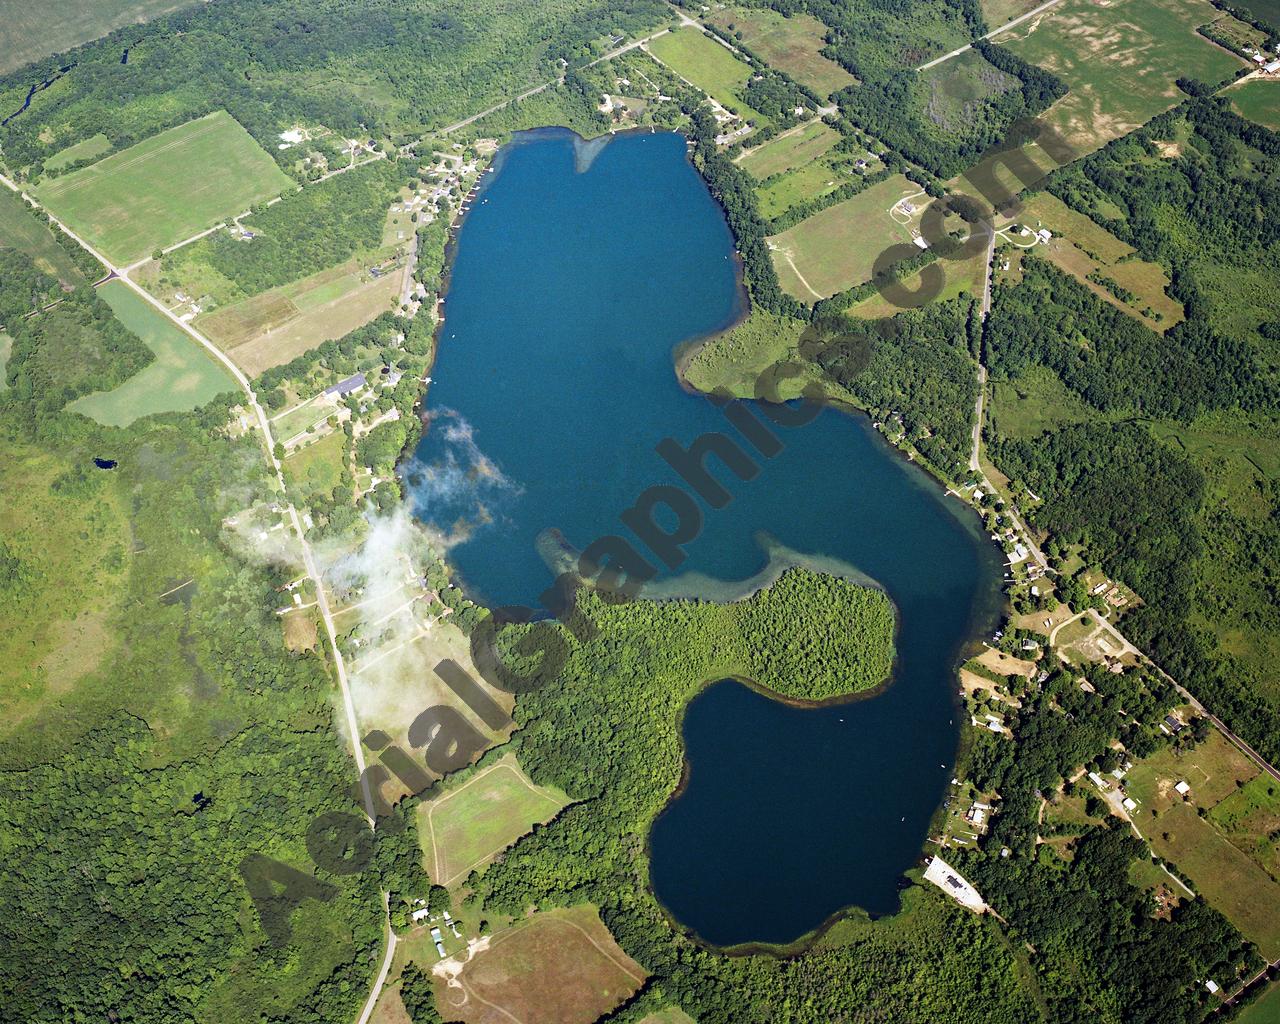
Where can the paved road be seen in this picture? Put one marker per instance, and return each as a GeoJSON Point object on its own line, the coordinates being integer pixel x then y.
{"type": "Point", "coordinates": [995, 32]}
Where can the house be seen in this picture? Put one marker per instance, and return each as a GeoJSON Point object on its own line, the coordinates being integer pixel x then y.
{"type": "Point", "coordinates": [1212, 986]}
{"type": "Point", "coordinates": [420, 913]}
{"type": "Point", "coordinates": [1171, 725]}
{"type": "Point", "coordinates": [346, 387]}
{"type": "Point", "coordinates": [1098, 780]}
{"type": "Point", "coordinates": [921, 242]}
{"type": "Point", "coordinates": [1271, 67]}
{"type": "Point", "coordinates": [1182, 788]}
{"type": "Point", "coordinates": [1130, 804]}
{"type": "Point", "coordinates": [1043, 236]}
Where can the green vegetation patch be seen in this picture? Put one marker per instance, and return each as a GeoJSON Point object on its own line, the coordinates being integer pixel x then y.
{"type": "Point", "coordinates": [165, 189]}
{"type": "Point", "coordinates": [468, 825]}
{"type": "Point", "coordinates": [708, 64]}
{"type": "Point", "coordinates": [789, 152]}
{"type": "Point", "coordinates": [182, 376]}
{"type": "Point", "coordinates": [89, 149]}
{"type": "Point", "coordinates": [837, 247]}
{"type": "Point", "coordinates": [791, 44]}
{"type": "Point", "coordinates": [22, 230]}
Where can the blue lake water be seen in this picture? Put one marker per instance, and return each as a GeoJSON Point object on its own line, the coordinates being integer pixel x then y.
{"type": "Point", "coordinates": [578, 270]}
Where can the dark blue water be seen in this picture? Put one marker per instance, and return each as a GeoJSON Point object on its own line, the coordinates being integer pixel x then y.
{"type": "Point", "coordinates": [577, 272]}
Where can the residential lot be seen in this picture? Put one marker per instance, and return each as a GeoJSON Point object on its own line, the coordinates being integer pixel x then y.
{"type": "Point", "coordinates": [700, 59]}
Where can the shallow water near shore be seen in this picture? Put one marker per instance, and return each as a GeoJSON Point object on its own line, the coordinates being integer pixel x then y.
{"type": "Point", "coordinates": [574, 280]}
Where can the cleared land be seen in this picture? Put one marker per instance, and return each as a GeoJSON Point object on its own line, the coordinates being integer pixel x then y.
{"type": "Point", "coordinates": [32, 31]}
{"type": "Point", "coordinates": [92, 147]}
{"type": "Point", "coordinates": [1082, 248]}
{"type": "Point", "coordinates": [1265, 1011]}
{"type": "Point", "coordinates": [20, 229]}
{"type": "Point", "coordinates": [182, 377]}
{"type": "Point", "coordinates": [166, 188]}
{"type": "Point", "coordinates": [671, 1015]}
{"type": "Point", "coordinates": [789, 152]}
{"type": "Point", "coordinates": [698, 58]}
{"type": "Point", "coordinates": [557, 967]}
{"type": "Point", "coordinates": [837, 247]}
{"type": "Point", "coordinates": [1259, 100]}
{"type": "Point", "coordinates": [6, 347]}
{"type": "Point", "coordinates": [1230, 879]}
{"type": "Point", "coordinates": [792, 45]}
{"type": "Point", "coordinates": [465, 827]}
{"type": "Point", "coordinates": [1119, 60]}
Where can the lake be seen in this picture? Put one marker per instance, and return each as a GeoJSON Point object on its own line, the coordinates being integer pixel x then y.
{"type": "Point", "coordinates": [578, 270]}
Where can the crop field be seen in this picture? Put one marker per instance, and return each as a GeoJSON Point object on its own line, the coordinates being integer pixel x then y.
{"type": "Point", "coordinates": [32, 31]}
{"type": "Point", "coordinates": [698, 58]}
{"type": "Point", "coordinates": [468, 825]}
{"type": "Point", "coordinates": [183, 376]}
{"type": "Point", "coordinates": [1119, 60]}
{"type": "Point", "coordinates": [317, 323]}
{"type": "Point", "coordinates": [167, 188]}
{"type": "Point", "coordinates": [792, 45]}
{"type": "Point", "coordinates": [1266, 1010]}
{"type": "Point", "coordinates": [787, 153]}
{"type": "Point", "coordinates": [1257, 99]}
{"type": "Point", "coordinates": [1081, 248]}
{"type": "Point", "coordinates": [557, 967]}
{"type": "Point", "coordinates": [836, 248]}
{"type": "Point", "coordinates": [19, 229]}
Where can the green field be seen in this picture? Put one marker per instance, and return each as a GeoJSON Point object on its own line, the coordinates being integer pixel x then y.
{"type": "Point", "coordinates": [837, 247]}
{"type": "Point", "coordinates": [698, 58]}
{"type": "Point", "coordinates": [165, 189]}
{"type": "Point", "coordinates": [792, 45]}
{"type": "Point", "coordinates": [1259, 100]}
{"type": "Point", "coordinates": [317, 468]}
{"type": "Point", "coordinates": [19, 229]}
{"type": "Point", "coordinates": [813, 181]}
{"type": "Point", "coordinates": [1119, 60]}
{"type": "Point", "coordinates": [467, 825]}
{"type": "Point", "coordinates": [6, 346]}
{"type": "Point", "coordinates": [32, 31]}
{"type": "Point", "coordinates": [1035, 401]}
{"type": "Point", "coordinates": [182, 377]}
{"type": "Point", "coordinates": [789, 152]}
{"type": "Point", "coordinates": [1265, 1011]}
{"type": "Point", "coordinates": [94, 146]}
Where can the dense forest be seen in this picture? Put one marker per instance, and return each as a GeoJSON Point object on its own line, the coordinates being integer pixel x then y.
{"type": "Point", "coordinates": [397, 67]}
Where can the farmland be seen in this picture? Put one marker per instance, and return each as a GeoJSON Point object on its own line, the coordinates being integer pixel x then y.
{"type": "Point", "coordinates": [557, 967]}
{"type": "Point", "coordinates": [1119, 61]}
{"type": "Point", "coordinates": [19, 229]}
{"type": "Point", "coordinates": [166, 188]}
{"type": "Point", "coordinates": [1259, 100]}
{"type": "Point", "coordinates": [31, 31]}
{"type": "Point", "coordinates": [699, 59]}
{"type": "Point", "coordinates": [789, 152]}
{"type": "Point", "coordinates": [792, 45]}
{"type": "Point", "coordinates": [1231, 879]}
{"type": "Point", "coordinates": [183, 375]}
{"type": "Point", "coordinates": [468, 825]}
{"type": "Point", "coordinates": [837, 247]}
{"type": "Point", "coordinates": [91, 148]}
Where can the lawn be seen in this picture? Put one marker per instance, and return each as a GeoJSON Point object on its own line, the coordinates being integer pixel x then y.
{"type": "Point", "coordinates": [32, 31]}
{"type": "Point", "coordinates": [789, 152]}
{"type": "Point", "coordinates": [1259, 100]}
{"type": "Point", "coordinates": [1119, 60]}
{"type": "Point", "coordinates": [837, 247]}
{"type": "Point", "coordinates": [183, 376]}
{"type": "Point", "coordinates": [166, 188]}
{"type": "Point", "coordinates": [468, 825]}
{"type": "Point", "coordinates": [792, 45]}
{"type": "Point", "coordinates": [698, 58]}
{"type": "Point", "coordinates": [556, 967]}
{"type": "Point", "coordinates": [90, 148]}
{"type": "Point", "coordinates": [20, 229]}
{"type": "Point", "coordinates": [316, 469]}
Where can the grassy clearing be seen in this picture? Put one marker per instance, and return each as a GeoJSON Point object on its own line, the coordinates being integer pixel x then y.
{"type": "Point", "coordinates": [470, 824]}
{"type": "Point", "coordinates": [317, 467]}
{"type": "Point", "coordinates": [698, 58]}
{"type": "Point", "coordinates": [960, 276]}
{"type": "Point", "coordinates": [1250, 818]}
{"type": "Point", "coordinates": [1259, 100]}
{"type": "Point", "coordinates": [19, 229]}
{"type": "Point", "coordinates": [318, 324]}
{"type": "Point", "coordinates": [557, 967]}
{"type": "Point", "coordinates": [165, 189]}
{"type": "Point", "coordinates": [6, 347]}
{"type": "Point", "coordinates": [836, 248]}
{"type": "Point", "coordinates": [792, 45]}
{"type": "Point", "coordinates": [1034, 402]}
{"type": "Point", "coordinates": [1119, 61]}
{"type": "Point", "coordinates": [92, 147]}
{"type": "Point", "coordinates": [787, 153]}
{"type": "Point", "coordinates": [182, 377]}
{"type": "Point", "coordinates": [736, 359]}
{"type": "Point", "coordinates": [671, 1015]}
{"type": "Point", "coordinates": [1082, 248]}
{"type": "Point", "coordinates": [1001, 12]}
{"type": "Point", "coordinates": [32, 31]}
